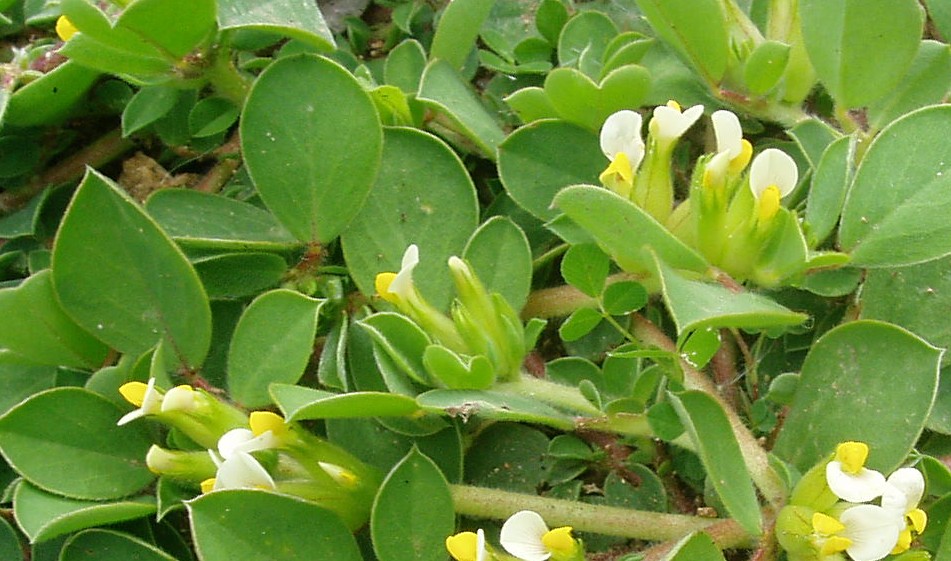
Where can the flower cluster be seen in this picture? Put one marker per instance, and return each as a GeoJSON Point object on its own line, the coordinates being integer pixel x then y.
{"type": "Point", "coordinates": [735, 220]}
{"type": "Point", "coordinates": [256, 451]}
{"type": "Point", "coordinates": [524, 536]}
{"type": "Point", "coordinates": [833, 510]}
{"type": "Point", "coordinates": [482, 339]}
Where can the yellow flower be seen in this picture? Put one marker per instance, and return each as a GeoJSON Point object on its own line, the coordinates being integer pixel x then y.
{"type": "Point", "coordinates": [621, 143]}
{"type": "Point", "coordinates": [467, 546]}
{"type": "Point", "coordinates": [865, 532]}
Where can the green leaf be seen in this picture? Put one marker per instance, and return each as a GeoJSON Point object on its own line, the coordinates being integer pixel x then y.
{"type": "Point", "coordinates": [531, 104]}
{"type": "Point", "coordinates": [700, 346]}
{"type": "Point", "coordinates": [512, 276]}
{"type": "Point", "coordinates": [455, 372]}
{"type": "Point", "coordinates": [424, 196]}
{"type": "Point", "coordinates": [896, 211]}
{"type": "Point", "coordinates": [695, 547]}
{"type": "Point", "coordinates": [550, 18]}
{"type": "Point", "coordinates": [695, 304]}
{"type": "Point", "coordinates": [293, 19]}
{"type": "Point", "coordinates": [20, 378]}
{"type": "Point", "coordinates": [711, 433]}
{"type": "Point", "coordinates": [508, 456]}
{"type": "Point", "coordinates": [915, 297]}
{"type": "Point", "coordinates": [108, 545]}
{"type": "Point", "coordinates": [444, 91]}
{"type": "Point", "coordinates": [413, 512]}
{"type": "Point", "coordinates": [205, 220]}
{"type": "Point", "coordinates": [299, 403]}
{"type": "Point", "coordinates": [147, 106]}
{"type": "Point", "coordinates": [50, 98]}
{"type": "Point", "coordinates": [236, 275]}
{"type": "Point", "coordinates": [616, 223]}
{"type": "Point", "coordinates": [583, 40]}
{"type": "Point", "coordinates": [860, 49]}
{"type": "Point", "coordinates": [107, 286]}
{"type": "Point", "coordinates": [586, 267]}
{"type": "Point", "coordinates": [578, 99]}
{"type": "Point", "coordinates": [697, 29]}
{"type": "Point", "coordinates": [581, 322]}
{"type": "Point", "coordinates": [940, 14]}
{"type": "Point", "coordinates": [623, 297]}
{"type": "Point", "coordinates": [830, 183]}
{"type": "Point", "coordinates": [847, 391]}
{"type": "Point", "coordinates": [542, 158]}
{"type": "Point", "coordinates": [765, 66]}
{"type": "Point", "coordinates": [458, 29]}
{"type": "Point", "coordinates": [401, 341]}
{"type": "Point", "coordinates": [10, 547]}
{"type": "Point", "coordinates": [405, 65]}
{"type": "Point", "coordinates": [286, 121]}
{"type": "Point", "coordinates": [43, 516]}
{"type": "Point", "coordinates": [70, 430]}
{"type": "Point", "coordinates": [927, 82]}
{"type": "Point", "coordinates": [261, 526]}
{"type": "Point", "coordinates": [160, 23]}
{"type": "Point", "coordinates": [494, 405]}
{"type": "Point", "coordinates": [272, 342]}
{"type": "Point", "coordinates": [43, 333]}
{"type": "Point", "coordinates": [211, 116]}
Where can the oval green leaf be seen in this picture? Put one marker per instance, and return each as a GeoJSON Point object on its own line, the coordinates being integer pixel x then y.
{"type": "Point", "coordinates": [44, 516]}
{"type": "Point", "coordinates": [847, 391]}
{"type": "Point", "coordinates": [108, 545]}
{"type": "Point", "coordinates": [413, 512]}
{"type": "Point", "coordinates": [71, 430]}
{"type": "Point", "coordinates": [860, 49]}
{"type": "Point", "coordinates": [107, 285]}
{"type": "Point", "coordinates": [896, 211]}
{"type": "Point", "coordinates": [272, 342]}
{"type": "Point", "coordinates": [540, 159]}
{"type": "Point", "coordinates": [293, 19]}
{"type": "Point", "coordinates": [424, 196]}
{"type": "Point", "coordinates": [502, 259]}
{"type": "Point", "coordinates": [299, 403]}
{"type": "Point", "coordinates": [697, 29]}
{"type": "Point", "coordinates": [261, 526]}
{"type": "Point", "coordinates": [312, 152]}
{"type": "Point", "coordinates": [42, 332]}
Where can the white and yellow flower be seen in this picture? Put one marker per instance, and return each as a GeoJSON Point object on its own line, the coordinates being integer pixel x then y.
{"type": "Point", "coordinates": [848, 477]}
{"type": "Point", "coordinates": [526, 536]}
{"type": "Point", "coordinates": [733, 151]}
{"type": "Point", "coordinates": [773, 175]}
{"type": "Point", "coordinates": [903, 491]}
{"type": "Point", "coordinates": [865, 532]}
{"type": "Point", "coordinates": [468, 546]}
{"type": "Point", "coordinates": [240, 471]}
{"type": "Point", "coordinates": [622, 144]}
{"type": "Point", "coordinates": [670, 123]}
{"type": "Point", "coordinates": [396, 287]}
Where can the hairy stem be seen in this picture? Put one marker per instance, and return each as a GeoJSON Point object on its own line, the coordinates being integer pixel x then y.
{"type": "Point", "coordinates": [654, 526]}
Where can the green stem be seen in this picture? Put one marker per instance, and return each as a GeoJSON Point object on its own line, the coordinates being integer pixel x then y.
{"type": "Point", "coordinates": [756, 459]}
{"type": "Point", "coordinates": [549, 392]}
{"type": "Point", "coordinates": [226, 79]}
{"type": "Point", "coordinates": [655, 526]}
{"type": "Point", "coordinates": [560, 301]}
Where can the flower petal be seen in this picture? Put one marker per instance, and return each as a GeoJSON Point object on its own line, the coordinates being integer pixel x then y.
{"type": "Point", "coordinates": [242, 471]}
{"type": "Point", "coordinates": [773, 167]}
{"type": "Point", "coordinates": [670, 124]}
{"type": "Point", "coordinates": [729, 133]}
{"type": "Point", "coordinates": [522, 535]}
{"type": "Point", "coordinates": [873, 530]}
{"type": "Point", "coordinates": [402, 283]}
{"type": "Point", "coordinates": [909, 486]}
{"type": "Point", "coordinates": [179, 398]}
{"type": "Point", "coordinates": [858, 488]}
{"type": "Point", "coordinates": [621, 133]}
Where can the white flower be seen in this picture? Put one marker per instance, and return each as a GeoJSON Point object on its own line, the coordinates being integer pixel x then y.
{"type": "Point", "coordinates": [525, 535]}
{"type": "Point", "coordinates": [240, 471]}
{"type": "Point", "coordinates": [467, 546]}
{"type": "Point", "coordinates": [243, 440]}
{"type": "Point", "coordinates": [848, 477]}
{"type": "Point", "coordinates": [144, 396]}
{"type": "Point", "coordinates": [179, 398]}
{"type": "Point", "coordinates": [773, 168]}
{"type": "Point", "coordinates": [621, 134]}
{"type": "Point", "coordinates": [669, 123]}
{"type": "Point", "coordinates": [865, 532]}
{"type": "Point", "coordinates": [733, 152]}
{"type": "Point", "coordinates": [903, 491]}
